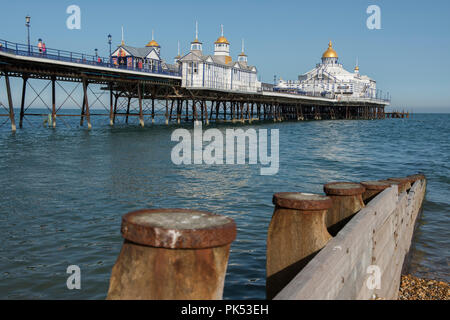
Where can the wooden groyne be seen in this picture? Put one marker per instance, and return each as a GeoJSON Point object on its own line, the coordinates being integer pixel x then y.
{"type": "Point", "coordinates": [348, 244]}
{"type": "Point", "coordinates": [365, 259]}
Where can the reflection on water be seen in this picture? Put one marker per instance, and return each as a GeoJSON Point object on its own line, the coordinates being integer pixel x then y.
{"type": "Point", "coordinates": [64, 192]}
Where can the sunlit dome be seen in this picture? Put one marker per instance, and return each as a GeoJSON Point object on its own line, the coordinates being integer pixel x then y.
{"type": "Point", "coordinates": [222, 39]}
{"type": "Point", "coordinates": [152, 43]}
{"type": "Point", "coordinates": [330, 53]}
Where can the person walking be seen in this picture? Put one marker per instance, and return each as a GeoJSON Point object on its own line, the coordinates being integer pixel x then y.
{"type": "Point", "coordinates": [44, 49]}
{"type": "Point", "coordinates": [40, 45]}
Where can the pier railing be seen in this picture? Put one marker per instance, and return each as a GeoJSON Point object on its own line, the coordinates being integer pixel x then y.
{"type": "Point", "coordinates": [73, 57]}
{"type": "Point", "coordinates": [328, 95]}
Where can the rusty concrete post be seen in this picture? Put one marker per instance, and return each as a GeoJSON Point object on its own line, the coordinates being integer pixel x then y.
{"type": "Point", "coordinates": [347, 200]}
{"type": "Point", "coordinates": [373, 188]}
{"type": "Point", "coordinates": [403, 183]}
{"type": "Point", "coordinates": [296, 233]}
{"type": "Point", "coordinates": [172, 254]}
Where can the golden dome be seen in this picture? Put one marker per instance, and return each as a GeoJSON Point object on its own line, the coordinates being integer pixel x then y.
{"type": "Point", "coordinates": [356, 68]}
{"type": "Point", "coordinates": [222, 39]}
{"type": "Point", "coordinates": [330, 53]}
{"type": "Point", "coordinates": [152, 43]}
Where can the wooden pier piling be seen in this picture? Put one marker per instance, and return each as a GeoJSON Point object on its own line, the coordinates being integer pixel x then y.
{"type": "Point", "coordinates": [296, 233]}
{"type": "Point", "coordinates": [402, 182]}
{"type": "Point", "coordinates": [373, 188]}
{"type": "Point", "coordinates": [172, 254]}
{"type": "Point", "coordinates": [347, 200]}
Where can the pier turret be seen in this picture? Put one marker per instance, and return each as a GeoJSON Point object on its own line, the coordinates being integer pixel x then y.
{"type": "Point", "coordinates": [154, 44]}
{"type": "Point", "coordinates": [222, 48]}
{"type": "Point", "coordinates": [242, 58]}
{"type": "Point", "coordinates": [196, 46]}
{"type": "Point", "coordinates": [330, 56]}
{"type": "Point", "coordinates": [356, 70]}
{"type": "Point", "coordinates": [178, 57]}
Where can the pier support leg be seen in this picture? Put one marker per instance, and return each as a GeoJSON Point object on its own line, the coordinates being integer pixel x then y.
{"type": "Point", "coordinates": [211, 111]}
{"type": "Point", "coordinates": [217, 110]}
{"type": "Point", "coordinates": [141, 114]}
{"type": "Point", "coordinates": [224, 110]}
{"type": "Point", "coordinates": [86, 103]}
{"type": "Point", "coordinates": [83, 106]}
{"type": "Point", "coordinates": [206, 112]}
{"type": "Point", "coordinates": [172, 101]}
{"type": "Point", "coordinates": [166, 115]}
{"type": "Point", "coordinates": [128, 109]}
{"type": "Point", "coordinates": [179, 106]}
{"type": "Point", "coordinates": [233, 111]}
{"type": "Point", "coordinates": [202, 107]}
{"type": "Point", "coordinates": [53, 102]}
{"type": "Point", "coordinates": [116, 98]}
{"type": "Point", "coordinates": [22, 104]}
{"type": "Point", "coordinates": [10, 102]}
{"type": "Point", "coordinates": [111, 105]}
{"type": "Point", "coordinates": [274, 113]}
{"type": "Point", "coordinates": [153, 110]}
{"type": "Point", "coordinates": [241, 107]}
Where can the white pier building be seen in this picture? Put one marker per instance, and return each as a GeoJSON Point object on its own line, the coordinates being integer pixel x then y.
{"type": "Point", "coordinates": [217, 71]}
{"type": "Point", "coordinates": [330, 79]}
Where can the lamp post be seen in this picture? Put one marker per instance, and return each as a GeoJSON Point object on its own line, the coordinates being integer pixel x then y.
{"type": "Point", "coordinates": [27, 24]}
{"type": "Point", "coordinates": [109, 42]}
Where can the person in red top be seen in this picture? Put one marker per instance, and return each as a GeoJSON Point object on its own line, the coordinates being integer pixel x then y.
{"type": "Point", "coordinates": [44, 49]}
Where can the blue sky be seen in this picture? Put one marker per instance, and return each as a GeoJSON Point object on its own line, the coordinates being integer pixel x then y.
{"type": "Point", "coordinates": [409, 56]}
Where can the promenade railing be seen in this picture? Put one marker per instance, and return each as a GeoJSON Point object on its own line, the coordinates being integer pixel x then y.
{"type": "Point", "coordinates": [74, 57]}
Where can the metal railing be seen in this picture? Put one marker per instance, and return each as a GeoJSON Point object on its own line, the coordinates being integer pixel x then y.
{"type": "Point", "coordinates": [74, 57]}
{"type": "Point", "coordinates": [329, 95]}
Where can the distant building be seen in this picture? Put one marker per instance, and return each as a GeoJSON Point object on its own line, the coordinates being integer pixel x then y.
{"type": "Point", "coordinates": [329, 78]}
{"type": "Point", "coordinates": [218, 71]}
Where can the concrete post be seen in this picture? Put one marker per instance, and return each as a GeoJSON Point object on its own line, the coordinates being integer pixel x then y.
{"type": "Point", "coordinates": [172, 254]}
{"type": "Point", "coordinates": [373, 188]}
{"type": "Point", "coordinates": [296, 233]}
{"type": "Point", "coordinates": [347, 200]}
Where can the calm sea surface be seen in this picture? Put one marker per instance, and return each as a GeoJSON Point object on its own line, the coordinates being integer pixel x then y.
{"type": "Point", "coordinates": [64, 190]}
